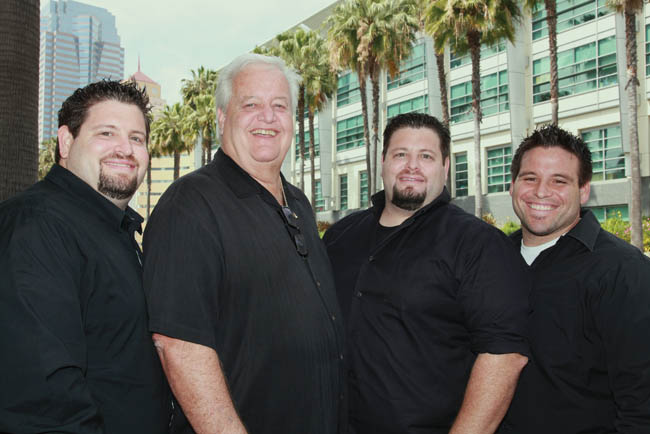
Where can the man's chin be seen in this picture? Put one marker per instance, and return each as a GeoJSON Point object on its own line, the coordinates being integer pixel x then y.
{"type": "Point", "coordinates": [117, 187]}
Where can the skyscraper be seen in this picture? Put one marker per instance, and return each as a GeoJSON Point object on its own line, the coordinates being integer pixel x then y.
{"type": "Point", "coordinates": [79, 45]}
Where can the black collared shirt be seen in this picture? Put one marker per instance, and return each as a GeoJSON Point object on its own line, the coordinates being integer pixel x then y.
{"type": "Point", "coordinates": [419, 304]}
{"type": "Point", "coordinates": [75, 352]}
{"type": "Point", "coordinates": [590, 338]}
{"type": "Point", "coordinates": [222, 270]}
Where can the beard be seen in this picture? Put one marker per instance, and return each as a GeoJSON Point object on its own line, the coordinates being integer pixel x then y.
{"type": "Point", "coordinates": [118, 187]}
{"type": "Point", "coordinates": [408, 199]}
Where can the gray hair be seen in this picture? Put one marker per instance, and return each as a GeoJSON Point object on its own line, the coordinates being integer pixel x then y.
{"type": "Point", "coordinates": [227, 76]}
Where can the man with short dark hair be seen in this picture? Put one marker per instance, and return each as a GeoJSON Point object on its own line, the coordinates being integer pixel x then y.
{"type": "Point", "coordinates": [435, 300]}
{"type": "Point", "coordinates": [249, 330]}
{"type": "Point", "coordinates": [590, 353]}
{"type": "Point", "coordinates": [77, 356]}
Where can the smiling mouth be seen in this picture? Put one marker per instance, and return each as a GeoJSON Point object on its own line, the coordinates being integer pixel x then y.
{"type": "Point", "coordinates": [120, 165]}
{"type": "Point", "coordinates": [539, 207]}
{"type": "Point", "coordinates": [264, 133]}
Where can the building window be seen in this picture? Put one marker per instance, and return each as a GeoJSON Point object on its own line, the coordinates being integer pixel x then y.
{"type": "Point", "coordinates": [580, 69]}
{"type": "Point", "coordinates": [343, 191]}
{"type": "Point", "coordinates": [606, 152]}
{"type": "Point", "coordinates": [498, 164]}
{"type": "Point", "coordinates": [570, 13]}
{"type": "Point", "coordinates": [363, 189]}
{"type": "Point", "coordinates": [461, 175]}
{"type": "Point", "coordinates": [316, 144]}
{"type": "Point", "coordinates": [412, 69]}
{"type": "Point", "coordinates": [348, 91]}
{"type": "Point", "coordinates": [603, 213]}
{"type": "Point", "coordinates": [647, 49]}
{"type": "Point", "coordinates": [494, 97]}
{"type": "Point", "coordinates": [419, 104]}
{"type": "Point", "coordinates": [486, 51]}
{"type": "Point", "coordinates": [320, 202]}
{"type": "Point", "coordinates": [349, 133]}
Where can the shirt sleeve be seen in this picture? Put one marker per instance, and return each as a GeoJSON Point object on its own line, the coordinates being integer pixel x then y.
{"type": "Point", "coordinates": [623, 317]}
{"type": "Point", "coordinates": [494, 292]}
{"type": "Point", "coordinates": [42, 340]}
{"type": "Point", "coordinates": [182, 272]}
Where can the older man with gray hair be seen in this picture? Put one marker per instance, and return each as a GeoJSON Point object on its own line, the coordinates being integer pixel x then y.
{"type": "Point", "coordinates": [241, 295]}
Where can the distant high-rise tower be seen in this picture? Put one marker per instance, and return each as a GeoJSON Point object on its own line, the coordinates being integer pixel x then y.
{"type": "Point", "coordinates": [79, 45]}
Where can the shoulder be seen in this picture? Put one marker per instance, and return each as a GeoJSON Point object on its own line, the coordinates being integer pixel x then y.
{"type": "Point", "coordinates": [614, 252]}
{"type": "Point", "coordinates": [347, 226]}
{"type": "Point", "coordinates": [469, 228]}
{"type": "Point", "coordinates": [42, 203]}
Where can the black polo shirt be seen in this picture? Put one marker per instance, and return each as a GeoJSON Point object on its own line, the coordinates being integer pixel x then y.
{"type": "Point", "coordinates": [76, 355]}
{"type": "Point", "coordinates": [419, 305]}
{"type": "Point", "coordinates": [222, 270]}
{"type": "Point", "coordinates": [590, 338]}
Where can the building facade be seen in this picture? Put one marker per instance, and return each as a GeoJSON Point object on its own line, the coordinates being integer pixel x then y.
{"type": "Point", "coordinates": [79, 45]}
{"type": "Point", "coordinates": [515, 95]}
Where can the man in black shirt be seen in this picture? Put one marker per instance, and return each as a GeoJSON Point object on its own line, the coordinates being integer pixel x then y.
{"type": "Point", "coordinates": [590, 348]}
{"type": "Point", "coordinates": [435, 300]}
{"type": "Point", "coordinates": [241, 297]}
{"type": "Point", "coordinates": [77, 356]}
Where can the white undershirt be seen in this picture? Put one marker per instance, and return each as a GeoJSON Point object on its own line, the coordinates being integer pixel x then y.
{"type": "Point", "coordinates": [531, 252]}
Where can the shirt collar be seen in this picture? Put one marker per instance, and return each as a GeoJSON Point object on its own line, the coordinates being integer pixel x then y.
{"type": "Point", "coordinates": [585, 231]}
{"type": "Point", "coordinates": [379, 202]}
{"type": "Point", "coordinates": [238, 180]}
{"type": "Point", "coordinates": [91, 199]}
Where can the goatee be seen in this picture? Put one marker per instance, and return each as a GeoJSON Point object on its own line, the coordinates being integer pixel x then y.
{"type": "Point", "coordinates": [408, 199]}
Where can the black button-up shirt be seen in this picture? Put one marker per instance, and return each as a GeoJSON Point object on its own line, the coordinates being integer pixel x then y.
{"type": "Point", "coordinates": [419, 303]}
{"type": "Point", "coordinates": [75, 352]}
{"type": "Point", "coordinates": [590, 338]}
{"type": "Point", "coordinates": [224, 269]}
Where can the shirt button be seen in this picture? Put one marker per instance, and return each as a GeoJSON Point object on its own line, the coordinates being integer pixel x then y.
{"type": "Point", "coordinates": [333, 317]}
{"type": "Point", "coordinates": [341, 356]}
{"type": "Point", "coordinates": [318, 283]}
{"type": "Point", "coordinates": [371, 258]}
{"type": "Point", "coordinates": [358, 294]}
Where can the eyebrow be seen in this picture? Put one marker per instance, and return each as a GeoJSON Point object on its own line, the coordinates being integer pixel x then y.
{"type": "Point", "coordinates": [555, 175]}
{"type": "Point", "coordinates": [113, 127]}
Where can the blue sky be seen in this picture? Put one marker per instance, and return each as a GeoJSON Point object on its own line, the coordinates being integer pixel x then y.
{"type": "Point", "coordinates": [174, 37]}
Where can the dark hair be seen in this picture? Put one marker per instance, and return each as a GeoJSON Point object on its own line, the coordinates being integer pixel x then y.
{"type": "Point", "coordinates": [418, 120]}
{"type": "Point", "coordinates": [74, 110]}
{"type": "Point", "coordinates": [551, 135]}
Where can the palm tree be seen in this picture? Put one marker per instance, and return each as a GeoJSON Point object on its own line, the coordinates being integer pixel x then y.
{"type": "Point", "coordinates": [320, 84]}
{"type": "Point", "coordinates": [202, 87]}
{"type": "Point", "coordinates": [551, 21]}
{"type": "Point", "coordinates": [46, 156]}
{"type": "Point", "coordinates": [366, 36]}
{"type": "Point", "coordinates": [291, 47]}
{"type": "Point", "coordinates": [201, 120]}
{"type": "Point", "coordinates": [466, 24]}
{"type": "Point", "coordinates": [19, 45]}
{"type": "Point", "coordinates": [154, 152]}
{"type": "Point", "coordinates": [168, 134]}
{"type": "Point", "coordinates": [629, 9]}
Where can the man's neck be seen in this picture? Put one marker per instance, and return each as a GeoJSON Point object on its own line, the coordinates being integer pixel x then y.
{"type": "Point", "coordinates": [393, 215]}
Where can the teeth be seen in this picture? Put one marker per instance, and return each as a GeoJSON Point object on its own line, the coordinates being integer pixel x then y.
{"type": "Point", "coordinates": [541, 207]}
{"type": "Point", "coordinates": [265, 132]}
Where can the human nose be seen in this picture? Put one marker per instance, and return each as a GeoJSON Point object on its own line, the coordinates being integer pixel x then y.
{"type": "Point", "coordinates": [124, 145]}
{"type": "Point", "coordinates": [266, 114]}
{"type": "Point", "coordinates": [412, 162]}
{"type": "Point", "coordinates": [542, 190]}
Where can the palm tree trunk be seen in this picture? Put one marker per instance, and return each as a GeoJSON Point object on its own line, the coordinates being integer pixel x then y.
{"type": "Point", "coordinates": [301, 134]}
{"type": "Point", "coordinates": [366, 130]}
{"type": "Point", "coordinates": [149, 189]}
{"type": "Point", "coordinates": [19, 45]}
{"type": "Point", "coordinates": [177, 164]}
{"type": "Point", "coordinates": [312, 153]}
{"type": "Point", "coordinates": [207, 145]}
{"type": "Point", "coordinates": [473, 38]}
{"type": "Point", "coordinates": [442, 80]}
{"type": "Point", "coordinates": [551, 20]}
{"type": "Point", "coordinates": [636, 228]}
{"type": "Point", "coordinates": [375, 125]}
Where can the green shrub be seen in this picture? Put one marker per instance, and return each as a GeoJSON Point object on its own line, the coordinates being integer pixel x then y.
{"type": "Point", "coordinates": [619, 227]}
{"type": "Point", "coordinates": [489, 218]}
{"type": "Point", "coordinates": [509, 227]}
